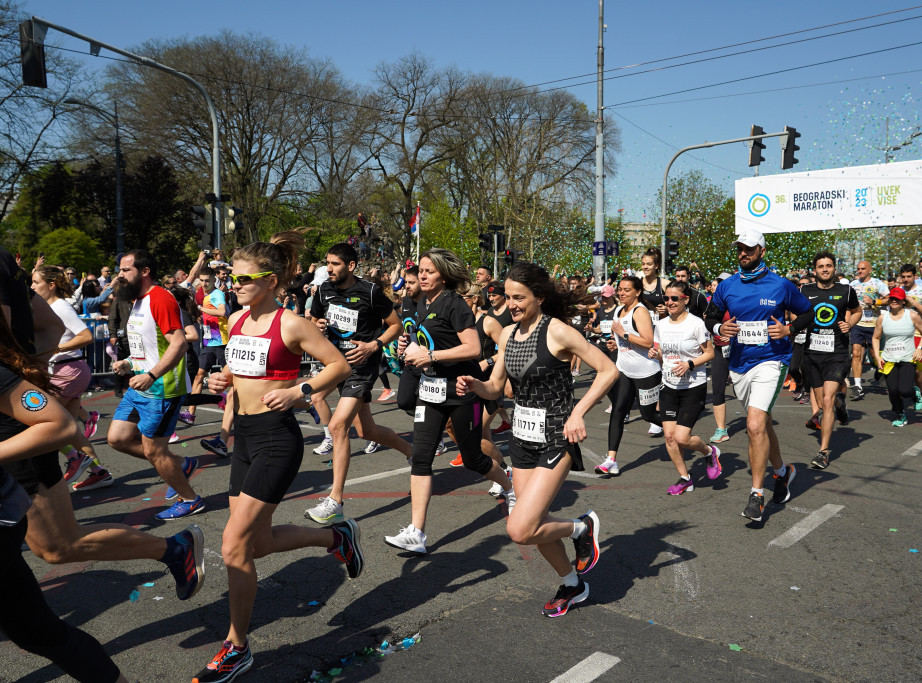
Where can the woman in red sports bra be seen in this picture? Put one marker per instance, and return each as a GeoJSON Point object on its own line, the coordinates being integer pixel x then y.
{"type": "Point", "coordinates": [263, 362]}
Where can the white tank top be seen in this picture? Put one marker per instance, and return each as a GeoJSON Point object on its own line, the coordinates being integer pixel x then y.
{"type": "Point", "coordinates": [632, 359]}
{"type": "Point", "coordinates": [896, 343]}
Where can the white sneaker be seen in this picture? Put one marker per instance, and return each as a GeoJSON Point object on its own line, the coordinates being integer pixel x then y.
{"type": "Point", "coordinates": [326, 446]}
{"type": "Point", "coordinates": [609, 466]}
{"type": "Point", "coordinates": [654, 430]}
{"type": "Point", "coordinates": [328, 511]}
{"type": "Point", "coordinates": [372, 447]}
{"type": "Point", "coordinates": [608, 409]}
{"type": "Point", "coordinates": [510, 498]}
{"type": "Point", "coordinates": [410, 538]}
{"type": "Point", "coordinates": [441, 447]}
{"type": "Point", "coordinates": [496, 490]}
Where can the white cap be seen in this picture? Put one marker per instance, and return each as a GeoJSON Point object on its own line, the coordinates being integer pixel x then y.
{"type": "Point", "coordinates": [320, 276]}
{"type": "Point", "coordinates": [750, 238]}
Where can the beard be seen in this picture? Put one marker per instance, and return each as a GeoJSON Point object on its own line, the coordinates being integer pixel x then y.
{"type": "Point", "coordinates": [129, 291]}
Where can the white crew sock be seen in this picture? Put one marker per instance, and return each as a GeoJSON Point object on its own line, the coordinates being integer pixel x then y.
{"type": "Point", "coordinates": [571, 579]}
{"type": "Point", "coordinates": [326, 433]}
{"type": "Point", "coordinates": [579, 528]}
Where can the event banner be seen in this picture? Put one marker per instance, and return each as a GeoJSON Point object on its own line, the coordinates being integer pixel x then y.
{"type": "Point", "coordinates": [875, 196]}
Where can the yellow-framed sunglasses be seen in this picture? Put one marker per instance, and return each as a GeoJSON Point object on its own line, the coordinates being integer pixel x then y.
{"type": "Point", "coordinates": [244, 279]}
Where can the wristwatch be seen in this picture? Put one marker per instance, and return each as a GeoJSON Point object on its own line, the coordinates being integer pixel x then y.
{"type": "Point", "coordinates": [490, 362]}
{"type": "Point", "coordinates": [306, 389]}
{"type": "Point", "coordinates": [626, 337]}
{"type": "Point", "coordinates": [691, 365]}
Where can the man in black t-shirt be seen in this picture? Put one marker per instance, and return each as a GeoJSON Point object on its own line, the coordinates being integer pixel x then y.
{"type": "Point", "coordinates": [409, 378]}
{"type": "Point", "coordinates": [827, 349]}
{"type": "Point", "coordinates": [351, 312]}
{"type": "Point", "coordinates": [697, 302]}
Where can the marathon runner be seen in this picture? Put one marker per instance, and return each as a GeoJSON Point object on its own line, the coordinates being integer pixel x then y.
{"type": "Point", "coordinates": [872, 294]}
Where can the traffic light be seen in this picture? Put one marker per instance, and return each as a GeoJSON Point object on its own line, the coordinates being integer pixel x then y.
{"type": "Point", "coordinates": [756, 147]}
{"type": "Point", "coordinates": [788, 148]}
{"type": "Point", "coordinates": [32, 53]}
{"type": "Point", "coordinates": [500, 242]}
{"type": "Point", "coordinates": [201, 220]}
{"type": "Point", "coordinates": [486, 241]}
{"type": "Point", "coordinates": [672, 253]}
{"type": "Point", "coordinates": [510, 256]}
{"type": "Point", "coordinates": [234, 219]}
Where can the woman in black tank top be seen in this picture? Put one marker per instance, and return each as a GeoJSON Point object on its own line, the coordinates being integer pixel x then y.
{"type": "Point", "coordinates": [535, 355]}
{"type": "Point", "coordinates": [653, 285]}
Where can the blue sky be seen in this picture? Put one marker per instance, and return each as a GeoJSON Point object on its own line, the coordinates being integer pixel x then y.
{"type": "Point", "coordinates": [839, 108]}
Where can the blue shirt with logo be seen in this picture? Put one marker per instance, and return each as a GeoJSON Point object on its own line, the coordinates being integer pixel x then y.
{"type": "Point", "coordinates": [769, 296]}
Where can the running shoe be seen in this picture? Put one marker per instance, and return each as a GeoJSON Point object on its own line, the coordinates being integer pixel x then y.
{"type": "Point", "coordinates": [325, 447]}
{"type": "Point", "coordinates": [797, 395]}
{"type": "Point", "coordinates": [575, 373]}
{"type": "Point", "coordinates": [565, 597]}
{"type": "Point", "coordinates": [386, 395]}
{"type": "Point", "coordinates": [782, 492]}
{"type": "Point", "coordinates": [189, 465]}
{"type": "Point", "coordinates": [713, 463]}
{"type": "Point", "coordinates": [609, 466]}
{"type": "Point", "coordinates": [587, 544]}
{"type": "Point", "coordinates": [349, 551]}
{"type": "Point", "coordinates": [441, 448]}
{"type": "Point", "coordinates": [314, 414]}
{"type": "Point", "coordinates": [608, 409]}
{"type": "Point", "coordinates": [410, 538]}
{"type": "Point", "coordinates": [655, 430]}
{"type": "Point", "coordinates": [813, 422]}
{"type": "Point", "coordinates": [821, 460]}
{"type": "Point", "coordinates": [681, 486]}
{"type": "Point", "coordinates": [496, 490]}
{"type": "Point", "coordinates": [900, 421]}
{"type": "Point", "coordinates": [509, 496]}
{"type": "Point", "coordinates": [627, 417]}
{"type": "Point", "coordinates": [720, 435]}
{"type": "Point", "coordinates": [222, 404]}
{"type": "Point", "coordinates": [503, 427]}
{"type": "Point", "coordinates": [76, 466]}
{"type": "Point", "coordinates": [89, 427]}
{"type": "Point", "coordinates": [373, 447]}
{"type": "Point", "coordinates": [226, 665]}
{"type": "Point", "coordinates": [182, 508]}
{"type": "Point", "coordinates": [457, 462]}
{"type": "Point", "coordinates": [186, 417]}
{"type": "Point", "coordinates": [754, 507]}
{"type": "Point", "coordinates": [189, 572]}
{"type": "Point", "coordinates": [842, 414]}
{"type": "Point", "coordinates": [174, 438]}
{"type": "Point", "coordinates": [918, 401]}
{"type": "Point", "coordinates": [327, 511]}
{"type": "Point", "coordinates": [215, 445]}
{"type": "Point", "coordinates": [97, 480]}
{"type": "Point", "coordinates": [857, 393]}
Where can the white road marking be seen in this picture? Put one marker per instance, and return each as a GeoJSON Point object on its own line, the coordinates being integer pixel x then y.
{"type": "Point", "coordinates": [589, 669]}
{"type": "Point", "coordinates": [686, 580]}
{"type": "Point", "coordinates": [806, 525]}
{"type": "Point", "coordinates": [380, 475]}
{"type": "Point", "coordinates": [914, 450]}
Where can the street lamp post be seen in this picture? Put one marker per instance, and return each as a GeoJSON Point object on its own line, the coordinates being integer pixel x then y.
{"type": "Point", "coordinates": [119, 210]}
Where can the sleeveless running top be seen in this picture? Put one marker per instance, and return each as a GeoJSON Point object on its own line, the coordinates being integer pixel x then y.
{"type": "Point", "coordinates": [543, 390]}
{"type": "Point", "coordinates": [633, 360]}
{"type": "Point", "coordinates": [487, 345]}
{"type": "Point", "coordinates": [896, 342]}
{"type": "Point", "coordinates": [264, 356]}
{"type": "Point", "coordinates": [654, 297]}
{"type": "Point", "coordinates": [504, 318]}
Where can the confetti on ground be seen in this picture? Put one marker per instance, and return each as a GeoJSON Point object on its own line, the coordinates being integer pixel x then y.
{"type": "Point", "coordinates": [795, 588]}
{"type": "Point", "coordinates": [313, 602]}
{"type": "Point", "coordinates": [134, 596]}
{"type": "Point", "coordinates": [145, 499]}
{"type": "Point", "coordinates": [892, 529]}
{"type": "Point", "coordinates": [913, 550]}
{"type": "Point", "coordinates": [735, 647]}
{"type": "Point", "coordinates": [159, 597]}
{"type": "Point", "coordinates": [149, 584]}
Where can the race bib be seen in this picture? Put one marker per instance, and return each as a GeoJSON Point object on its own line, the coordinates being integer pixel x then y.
{"type": "Point", "coordinates": [670, 363]}
{"type": "Point", "coordinates": [725, 350]}
{"type": "Point", "coordinates": [206, 331]}
{"type": "Point", "coordinates": [135, 340]}
{"type": "Point", "coordinates": [575, 321]}
{"type": "Point", "coordinates": [801, 338]}
{"type": "Point", "coordinates": [753, 332]}
{"type": "Point", "coordinates": [247, 356]}
{"type": "Point", "coordinates": [433, 389]}
{"type": "Point", "coordinates": [605, 326]}
{"type": "Point", "coordinates": [648, 397]}
{"type": "Point", "coordinates": [867, 313]}
{"type": "Point", "coordinates": [897, 347]}
{"type": "Point", "coordinates": [528, 424]}
{"type": "Point", "coordinates": [346, 345]}
{"type": "Point", "coordinates": [655, 316]}
{"type": "Point", "coordinates": [342, 318]}
{"type": "Point", "coordinates": [420, 414]}
{"type": "Point", "coordinates": [824, 343]}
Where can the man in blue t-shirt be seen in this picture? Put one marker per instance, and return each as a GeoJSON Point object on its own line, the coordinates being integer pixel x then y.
{"type": "Point", "coordinates": [760, 353]}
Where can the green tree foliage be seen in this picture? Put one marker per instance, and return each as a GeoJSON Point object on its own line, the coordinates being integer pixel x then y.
{"type": "Point", "coordinates": [70, 247]}
{"type": "Point", "coordinates": [443, 227]}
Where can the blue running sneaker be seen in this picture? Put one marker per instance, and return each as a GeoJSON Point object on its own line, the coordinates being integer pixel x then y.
{"type": "Point", "coordinates": [189, 572]}
{"type": "Point", "coordinates": [215, 445]}
{"type": "Point", "coordinates": [313, 411]}
{"type": "Point", "coordinates": [189, 466]}
{"type": "Point", "coordinates": [182, 508]}
{"type": "Point", "coordinates": [349, 552]}
{"type": "Point", "coordinates": [226, 665]}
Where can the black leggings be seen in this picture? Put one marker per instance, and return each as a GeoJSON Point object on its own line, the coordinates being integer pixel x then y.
{"type": "Point", "coordinates": [26, 619]}
{"type": "Point", "coordinates": [406, 390]}
{"type": "Point", "coordinates": [622, 396]}
{"type": "Point", "coordinates": [797, 358]}
{"type": "Point", "coordinates": [427, 432]}
{"type": "Point", "coordinates": [383, 369]}
{"type": "Point", "coordinates": [901, 382]}
{"type": "Point", "coordinates": [720, 374]}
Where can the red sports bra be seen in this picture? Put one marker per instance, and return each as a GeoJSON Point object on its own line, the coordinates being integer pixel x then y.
{"type": "Point", "coordinates": [261, 357]}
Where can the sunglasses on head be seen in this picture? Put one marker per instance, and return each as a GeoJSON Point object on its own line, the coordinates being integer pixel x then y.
{"type": "Point", "coordinates": [674, 298]}
{"type": "Point", "coordinates": [244, 279]}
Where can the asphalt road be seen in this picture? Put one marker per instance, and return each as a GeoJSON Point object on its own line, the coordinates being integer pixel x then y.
{"type": "Point", "coordinates": [826, 587]}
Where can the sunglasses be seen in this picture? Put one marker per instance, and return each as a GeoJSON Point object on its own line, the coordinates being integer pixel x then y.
{"type": "Point", "coordinates": [674, 298]}
{"type": "Point", "coordinates": [244, 279]}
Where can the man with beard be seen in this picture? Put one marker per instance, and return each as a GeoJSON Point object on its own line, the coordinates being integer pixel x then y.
{"type": "Point", "coordinates": [827, 350]}
{"type": "Point", "coordinates": [760, 355]}
{"type": "Point", "coordinates": [352, 311]}
{"type": "Point", "coordinates": [146, 416]}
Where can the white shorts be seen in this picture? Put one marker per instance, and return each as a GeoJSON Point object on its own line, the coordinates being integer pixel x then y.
{"type": "Point", "coordinates": [759, 387]}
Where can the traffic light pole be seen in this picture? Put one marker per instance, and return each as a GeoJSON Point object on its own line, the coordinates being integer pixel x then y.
{"type": "Point", "coordinates": [495, 254]}
{"type": "Point", "coordinates": [95, 46]}
{"type": "Point", "coordinates": [705, 145]}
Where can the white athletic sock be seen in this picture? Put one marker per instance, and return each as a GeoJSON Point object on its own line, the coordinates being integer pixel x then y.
{"type": "Point", "coordinates": [326, 433]}
{"type": "Point", "coordinates": [687, 477]}
{"type": "Point", "coordinates": [761, 492]}
{"type": "Point", "coordinates": [579, 528]}
{"type": "Point", "coordinates": [858, 382]}
{"type": "Point", "coordinates": [781, 471]}
{"type": "Point", "coordinates": [571, 579]}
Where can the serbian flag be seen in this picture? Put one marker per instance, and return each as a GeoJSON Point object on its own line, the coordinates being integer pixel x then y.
{"type": "Point", "coordinates": [414, 222]}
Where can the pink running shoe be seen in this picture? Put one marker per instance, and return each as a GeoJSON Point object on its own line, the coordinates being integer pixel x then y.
{"type": "Point", "coordinates": [713, 463]}
{"type": "Point", "coordinates": [89, 427]}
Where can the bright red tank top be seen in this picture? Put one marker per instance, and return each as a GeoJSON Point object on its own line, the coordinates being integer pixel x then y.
{"type": "Point", "coordinates": [261, 357]}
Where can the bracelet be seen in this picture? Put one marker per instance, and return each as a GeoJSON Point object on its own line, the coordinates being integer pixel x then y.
{"type": "Point", "coordinates": [379, 343]}
{"type": "Point", "coordinates": [431, 357]}
{"type": "Point", "coordinates": [152, 376]}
